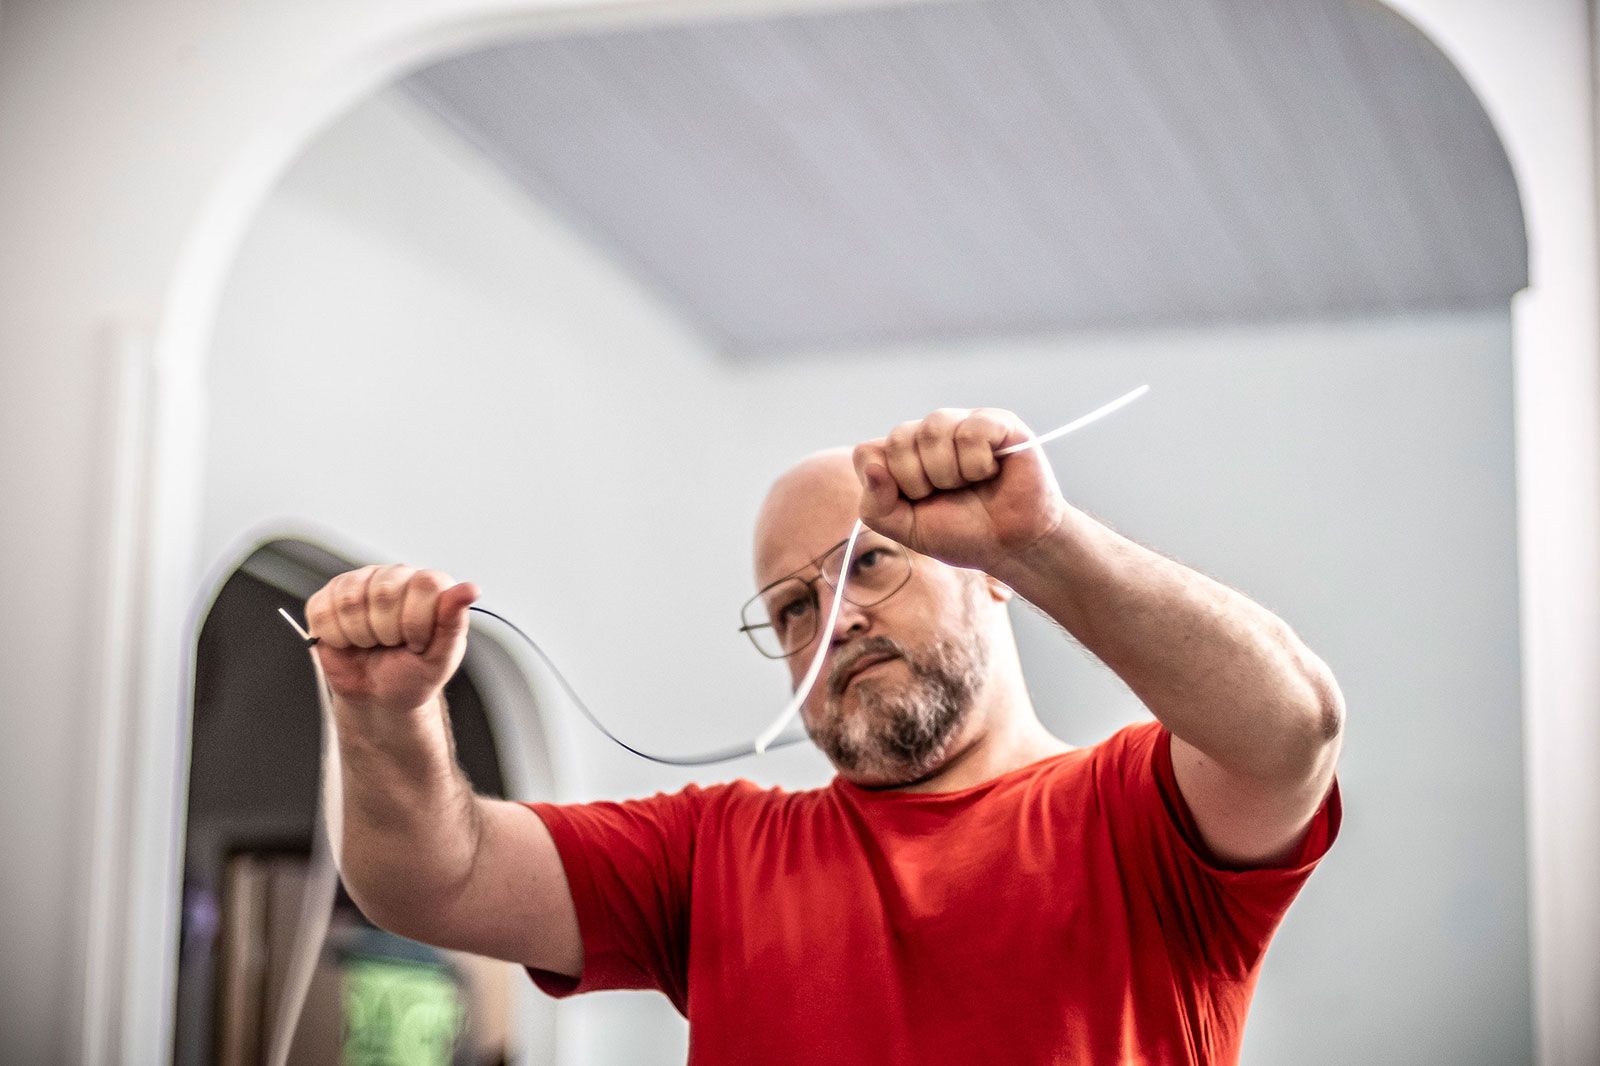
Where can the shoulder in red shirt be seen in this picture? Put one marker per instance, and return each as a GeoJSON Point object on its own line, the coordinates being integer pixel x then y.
{"type": "Point", "coordinates": [1065, 912]}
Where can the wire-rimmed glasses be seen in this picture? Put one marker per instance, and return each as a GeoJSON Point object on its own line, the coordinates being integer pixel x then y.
{"type": "Point", "coordinates": [782, 619]}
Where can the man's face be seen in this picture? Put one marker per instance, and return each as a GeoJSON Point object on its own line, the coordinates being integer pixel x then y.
{"type": "Point", "coordinates": [901, 676]}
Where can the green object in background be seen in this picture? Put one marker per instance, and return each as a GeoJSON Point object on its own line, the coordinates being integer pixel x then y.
{"type": "Point", "coordinates": [399, 1013]}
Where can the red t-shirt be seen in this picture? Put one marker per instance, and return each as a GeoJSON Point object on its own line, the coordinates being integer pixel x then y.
{"type": "Point", "coordinates": [1065, 912]}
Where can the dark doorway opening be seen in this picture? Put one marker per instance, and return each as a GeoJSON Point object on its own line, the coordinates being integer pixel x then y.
{"type": "Point", "coordinates": [254, 777]}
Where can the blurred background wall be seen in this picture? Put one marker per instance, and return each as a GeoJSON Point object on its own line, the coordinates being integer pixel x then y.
{"type": "Point", "coordinates": [415, 354]}
{"type": "Point", "coordinates": [1356, 476]}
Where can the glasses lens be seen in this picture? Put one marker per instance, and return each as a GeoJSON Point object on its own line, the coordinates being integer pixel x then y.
{"type": "Point", "coordinates": [878, 569]}
{"type": "Point", "coordinates": [782, 619]}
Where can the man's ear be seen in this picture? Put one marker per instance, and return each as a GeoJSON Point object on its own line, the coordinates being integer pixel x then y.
{"type": "Point", "coordinates": [998, 590]}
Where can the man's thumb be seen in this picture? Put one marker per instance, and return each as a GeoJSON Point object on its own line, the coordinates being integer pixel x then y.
{"type": "Point", "coordinates": [451, 620]}
{"type": "Point", "coordinates": [882, 507]}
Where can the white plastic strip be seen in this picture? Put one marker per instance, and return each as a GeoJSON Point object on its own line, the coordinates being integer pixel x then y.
{"type": "Point", "coordinates": [1078, 423]}
{"type": "Point", "coordinates": [322, 879]}
{"type": "Point", "coordinates": [825, 637]}
{"type": "Point", "coordinates": [322, 876]}
{"type": "Point", "coordinates": [824, 640]}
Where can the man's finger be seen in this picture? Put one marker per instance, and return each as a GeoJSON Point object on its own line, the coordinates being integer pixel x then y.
{"type": "Point", "coordinates": [976, 439]}
{"type": "Point", "coordinates": [878, 490]}
{"type": "Point", "coordinates": [320, 622]}
{"type": "Point", "coordinates": [451, 621]}
{"type": "Point", "coordinates": [418, 615]}
{"type": "Point", "coordinates": [350, 606]}
{"type": "Point", "coordinates": [904, 464]}
{"type": "Point", "coordinates": [386, 594]}
{"type": "Point", "coordinates": [882, 506]}
{"type": "Point", "coordinates": [936, 448]}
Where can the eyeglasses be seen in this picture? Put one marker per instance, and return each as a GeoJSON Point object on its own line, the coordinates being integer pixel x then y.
{"type": "Point", "coordinates": [782, 619]}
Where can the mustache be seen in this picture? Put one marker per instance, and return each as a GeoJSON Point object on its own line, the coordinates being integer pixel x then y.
{"type": "Point", "coordinates": [870, 647]}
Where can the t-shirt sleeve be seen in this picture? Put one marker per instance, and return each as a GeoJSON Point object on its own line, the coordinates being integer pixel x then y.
{"type": "Point", "coordinates": [629, 868]}
{"type": "Point", "coordinates": [1223, 918]}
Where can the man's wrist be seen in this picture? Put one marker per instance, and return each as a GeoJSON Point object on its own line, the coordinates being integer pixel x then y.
{"type": "Point", "coordinates": [1052, 557]}
{"type": "Point", "coordinates": [385, 727]}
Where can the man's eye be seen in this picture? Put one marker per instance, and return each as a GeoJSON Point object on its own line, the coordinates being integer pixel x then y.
{"type": "Point", "coordinates": [792, 610]}
{"type": "Point", "coordinates": [869, 558]}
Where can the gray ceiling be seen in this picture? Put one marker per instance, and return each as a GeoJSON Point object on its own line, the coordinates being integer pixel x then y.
{"type": "Point", "coordinates": [1006, 167]}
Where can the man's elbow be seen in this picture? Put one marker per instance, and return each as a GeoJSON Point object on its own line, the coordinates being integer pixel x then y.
{"type": "Point", "coordinates": [400, 903]}
{"type": "Point", "coordinates": [1327, 716]}
{"type": "Point", "coordinates": [1319, 722]}
{"type": "Point", "coordinates": [393, 911]}
{"type": "Point", "coordinates": [1311, 718]}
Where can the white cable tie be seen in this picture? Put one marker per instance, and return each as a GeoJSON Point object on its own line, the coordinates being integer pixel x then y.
{"type": "Point", "coordinates": [321, 889]}
{"type": "Point", "coordinates": [287, 617]}
{"type": "Point", "coordinates": [322, 875]}
{"type": "Point", "coordinates": [824, 639]}
{"type": "Point", "coordinates": [1078, 423]}
{"type": "Point", "coordinates": [808, 682]}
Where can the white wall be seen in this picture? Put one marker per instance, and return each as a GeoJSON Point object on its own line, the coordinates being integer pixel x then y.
{"type": "Point", "coordinates": [135, 140]}
{"type": "Point", "coordinates": [431, 366]}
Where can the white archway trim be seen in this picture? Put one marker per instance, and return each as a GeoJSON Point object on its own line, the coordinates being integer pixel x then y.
{"type": "Point", "coordinates": [131, 953]}
{"type": "Point", "coordinates": [1533, 68]}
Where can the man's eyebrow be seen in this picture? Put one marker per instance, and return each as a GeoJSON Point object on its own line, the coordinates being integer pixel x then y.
{"type": "Point", "coordinates": [797, 570]}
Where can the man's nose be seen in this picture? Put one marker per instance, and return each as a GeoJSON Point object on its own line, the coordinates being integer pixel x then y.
{"type": "Point", "coordinates": [853, 622]}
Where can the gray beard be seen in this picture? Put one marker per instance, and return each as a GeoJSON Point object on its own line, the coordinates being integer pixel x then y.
{"type": "Point", "coordinates": [899, 734]}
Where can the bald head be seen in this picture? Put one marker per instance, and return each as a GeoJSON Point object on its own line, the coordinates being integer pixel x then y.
{"type": "Point", "coordinates": [809, 508]}
{"type": "Point", "coordinates": [942, 667]}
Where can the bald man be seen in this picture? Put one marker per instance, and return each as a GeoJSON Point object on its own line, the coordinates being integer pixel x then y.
{"type": "Point", "coordinates": [968, 888]}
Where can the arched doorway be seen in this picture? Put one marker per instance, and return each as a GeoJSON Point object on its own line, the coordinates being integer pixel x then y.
{"type": "Point", "coordinates": [252, 798]}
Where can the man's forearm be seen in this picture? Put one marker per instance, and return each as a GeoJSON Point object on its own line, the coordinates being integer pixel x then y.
{"type": "Point", "coordinates": [1216, 668]}
{"type": "Point", "coordinates": [411, 823]}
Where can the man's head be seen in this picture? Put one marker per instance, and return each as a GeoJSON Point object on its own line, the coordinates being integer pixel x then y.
{"type": "Point", "coordinates": [906, 680]}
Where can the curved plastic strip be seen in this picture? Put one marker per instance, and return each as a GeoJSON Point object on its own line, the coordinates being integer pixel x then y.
{"type": "Point", "coordinates": [1078, 423]}
{"type": "Point", "coordinates": [322, 876]}
{"type": "Point", "coordinates": [824, 641]}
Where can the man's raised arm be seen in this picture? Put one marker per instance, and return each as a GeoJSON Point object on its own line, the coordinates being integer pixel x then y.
{"type": "Point", "coordinates": [422, 855]}
{"type": "Point", "coordinates": [1256, 717]}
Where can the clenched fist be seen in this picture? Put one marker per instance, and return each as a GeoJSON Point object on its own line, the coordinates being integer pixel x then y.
{"type": "Point", "coordinates": [390, 636]}
{"type": "Point", "coordinates": [936, 486]}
